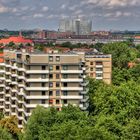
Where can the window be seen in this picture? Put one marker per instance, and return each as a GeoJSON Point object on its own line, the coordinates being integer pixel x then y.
{"type": "Point", "coordinates": [50, 84]}
{"type": "Point", "coordinates": [57, 58]}
{"type": "Point", "coordinates": [50, 76]}
{"type": "Point", "coordinates": [65, 84]}
{"type": "Point", "coordinates": [43, 67]}
{"type": "Point", "coordinates": [43, 93]}
{"type": "Point", "coordinates": [91, 74]}
{"type": "Point", "coordinates": [43, 76]}
{"type": "Point", "coordinates": [91, 69]}
{"type": "Point", "coordinates": [99, 63]}
{"type": "Point", "coordinates": [51, 101]}
{"type": "Point", "coordinates": [99, 69]}
{"type": "Point", "coordinates": [57, 93]}
{"type": "Point", "coordinates": [57, 101]}
{"type": "Point", "coordinates": [50, 93]}
{"type": "Point", "coordinates": [65, 102]}
{"type": "Point", "coordinates": [65, 76]}
{"type": "Point", "coordinates": [50, 58]}
{"type": "Point", "coordinates": [65, 67]}
{"type": "Point", "coordinates": [57, 76]}
{"type": "Point", "coordinates": [43, 84]}
{"type": "Point", "coordinates": [51, 68]}
{"type": "Point", "coordinates": [57, 84]}
{"type": "Point", "coordinates": [91, 63]}
{"type": "Point", "coordinates": [57, 67]}
{"type": "Point", "coordinates": [99, 75]}
{"type": "Point", "coordinates": [65, 93]}
{"type": "Point", "coordinates": [43, 101]}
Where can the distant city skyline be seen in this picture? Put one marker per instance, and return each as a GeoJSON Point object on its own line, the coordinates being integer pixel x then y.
{"type": "Point", "coordinates": [46, 14]}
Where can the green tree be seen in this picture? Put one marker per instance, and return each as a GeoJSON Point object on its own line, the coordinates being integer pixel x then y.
{"type": "Point", "coordinates": [4, 134]}
{"type": "Point", "coordinates": [115, 108]}
{"type": "Point", "coordinates": [121, 54]}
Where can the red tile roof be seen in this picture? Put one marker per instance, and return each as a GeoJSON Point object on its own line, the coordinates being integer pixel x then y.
{"type": "Point", "coordinates": [14, 39]}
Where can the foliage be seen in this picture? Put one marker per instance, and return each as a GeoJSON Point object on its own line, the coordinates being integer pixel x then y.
{"type": "Point", "coordinates": [4, 134]}
{"type": "Point", "coordinates": [121, 54]}
{"type": "Point", "coordinates": [11, 124]}
{"type": "Point", "coordinates": [116, 108]}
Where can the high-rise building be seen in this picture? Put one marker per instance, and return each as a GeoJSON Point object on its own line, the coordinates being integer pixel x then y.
{"type": "Point", "coordinates": [48, 79]}
{"type": "Point", "coordinates": [78, 26]}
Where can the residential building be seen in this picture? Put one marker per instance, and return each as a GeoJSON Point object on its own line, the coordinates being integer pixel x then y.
{"type": "Point", "coordinates": [99, 66]}
{"type": "Point", "coordinates": [48, 79]}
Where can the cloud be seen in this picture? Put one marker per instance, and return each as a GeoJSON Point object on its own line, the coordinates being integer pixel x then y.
{"type": "Point", "coordinates": [3, 9]}
{"type": "Point", "coordinates": [112, 3]}
{"type": "Point", "coordinates": [45, 8]}
{"type": "Point", "coordinates": [38, 15]}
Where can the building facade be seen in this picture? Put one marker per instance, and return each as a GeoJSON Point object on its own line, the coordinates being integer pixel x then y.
{"type": "Point", "coordinates": [47, 79]}
{"type": "Point", "coordinates": [78, 26]}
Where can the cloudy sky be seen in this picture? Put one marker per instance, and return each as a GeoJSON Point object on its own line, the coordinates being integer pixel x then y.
{"type": "Point", "coordinates": [45, 14]}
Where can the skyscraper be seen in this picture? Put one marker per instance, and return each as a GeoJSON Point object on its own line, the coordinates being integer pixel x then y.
{"type": "Point", "coordinates": [79, 26]}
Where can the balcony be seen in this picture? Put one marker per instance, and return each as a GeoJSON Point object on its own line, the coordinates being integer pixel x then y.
{"type": "Point", "coordinates": [72, 97]}
{"type": "Point", "coordinates": [37, 80]}
{"type": "Point", "coordinates": [37, 88]}
{"type": "Point", "coordinates": [34, 105]}
{"type": "Point", "coordinates": [36, 97]}
{"type": "Point", "coordinates": [85, 99]}
{"type": "Point", "coordinates": [72, 80]}
{"type": "Point", "coordinates": [72, 88]}
{"type": "Point", "coordinates": [85, 91]}
{"type": "Point", "coordinates": [72, 71]}
{"type": "Point", "coordinates": [84, 84]}
{"type": "Point", "coordinates": [99, 78]}
{"type": "Point", "coordinates": [37, 71]}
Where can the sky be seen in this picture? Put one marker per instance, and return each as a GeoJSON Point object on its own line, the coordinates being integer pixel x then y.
{"type": "Point", "coordinates": [46, 14]}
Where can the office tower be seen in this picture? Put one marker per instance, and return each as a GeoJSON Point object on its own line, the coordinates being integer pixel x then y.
{"type": "Point", "coordinates": [48, 79]}
{"type": "Point", "coordinates": [78, 26]}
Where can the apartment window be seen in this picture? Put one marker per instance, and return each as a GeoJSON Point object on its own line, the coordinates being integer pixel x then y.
{"type": "Point", "coordinates": [43, 93]}
{"type": "Point", "coordinates": [57, 76]}
{"type": "Point", "coordinates": [20, 122]}
{"type": "Point", "coordinates": [43, 84]}
{"type": "Point", "coordinates": [65, 101]}
{"type": "Point", "coordinates": [50, 58]}
{"type": "Point", "coordinates": [99, 69]}
{"type": "Point", "coordinates": [91, 63]}
{"type": "Point", "coordinates": [65, 76]}
{"type": "Point", "coordinates": [65, 93]}
{"type": "Point", "coordinates": [91, 74]}
{"type": "Point", "coordinates": [99, 75]}
{"type": "Point", "coordinates": [65, 67]}
{"type": "Point", "coordinates": [57, 58]}
{"type": "Point", "coordinates": [51, 68]}
{"type": "Point", "coordinates": [57, 93]}
{"type": "Point", "coordinates": [57, 67]}
{"type": "Point", "coordinates": [20, 114]}
{"type": "Point", "coordinates": [91, 69]}
{"type": "Point", "coordinates": [57, 84]}
{"type": "Point", "coordinates": [28, 110]}
{"type": "Point", "coordinates": [50, 84]}
{"type": "Point", "coordinates": [50, 76]}
{"type": "Point", "coordinates": [43, 101]}
{"type": "Point", "coordinates": [43, 67]}
{"type": "Point", "coordinates": [57, 101]}
{"type": "Point", "coordinates": [51, 101]}
{"type": "Point", "coordinates": [28, 101]}
{"type": "Point", "coordinates": [43, 76]}
{"type": "Point", "coordinates": [99, 63]}
{"type": "Point", "coordinates": [50, 93]}
{"type": "Point", "coordinates": [65, 84]}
